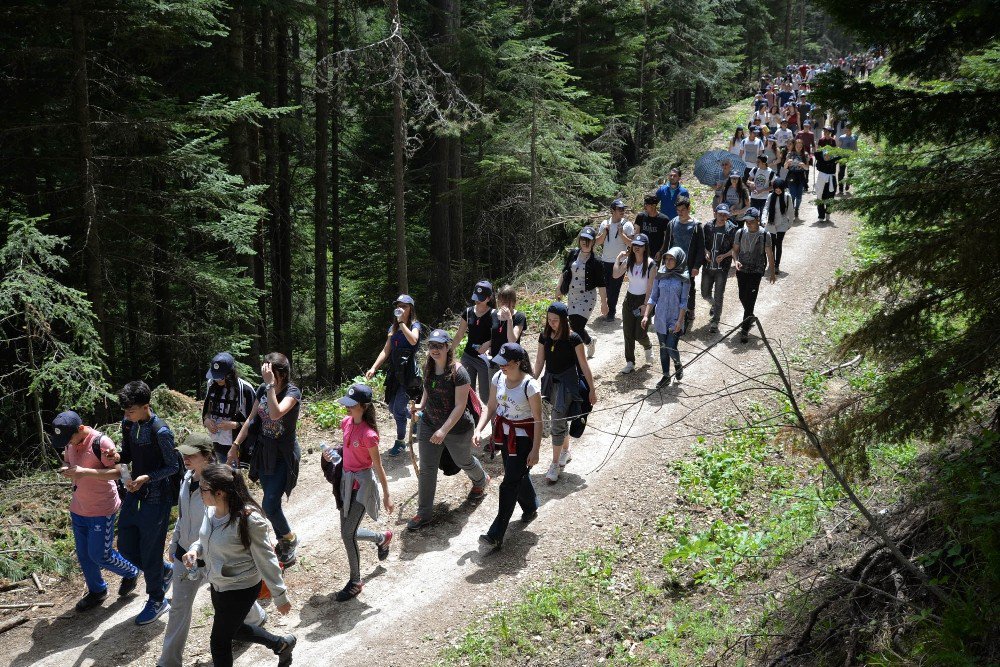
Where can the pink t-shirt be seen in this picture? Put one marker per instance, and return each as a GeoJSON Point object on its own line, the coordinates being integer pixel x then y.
{"type": "Point", "coordinates": [358, 439]}
{"type": "Point", "coordinates": [93, 497]}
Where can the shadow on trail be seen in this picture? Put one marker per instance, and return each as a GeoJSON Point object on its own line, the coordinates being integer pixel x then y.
{"type": "Point", "coordinates": [325, 617]}
{"type": "Point", "coordinates": [509, 560]}
{"type": "Point", "coordinates": [447, 523]}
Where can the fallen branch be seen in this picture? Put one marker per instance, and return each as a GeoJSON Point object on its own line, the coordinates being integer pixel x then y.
{"type": "Point", "coordinates": [38, 583]}
{"type": "Point", "coordinates": [7, 588]}
{"type": "Point", "coordinates": [846, 364]}
{"type": "Point", "coordinates": [12, 623]}
{"type": "Point", "coordinates": [27, 605]}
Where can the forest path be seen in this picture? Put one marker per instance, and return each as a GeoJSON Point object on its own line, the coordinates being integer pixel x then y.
{"type": "Point", "coordinates": [435, 582]}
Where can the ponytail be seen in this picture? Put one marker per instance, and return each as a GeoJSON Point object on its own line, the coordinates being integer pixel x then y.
{"type": "Point", "coordinates": [219, 477]}
{"type": "Point", "coordinates": [368, 416]}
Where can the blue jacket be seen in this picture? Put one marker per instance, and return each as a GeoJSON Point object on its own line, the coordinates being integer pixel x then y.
{"type": "Point", "coordinates": [667, 198]}
{"type": "Point", "coordinates": [158, 460]}
{"type": "Point", "coordinates": [669, 295]}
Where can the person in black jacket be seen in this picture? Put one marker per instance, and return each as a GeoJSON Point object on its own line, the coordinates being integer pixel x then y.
{"type": "Point", "coordinates": [227, 403]}
{"type": "Point", "coordinates": [685, 233]}
{"type": "Point", "coordinates": [583, 276]}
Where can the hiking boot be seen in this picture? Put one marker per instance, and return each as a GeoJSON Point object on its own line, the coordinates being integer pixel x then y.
{"type": "Point", "coordinates": [664, 382]}
{"type": "Point", "coordinates": [350, 591]}
{"type": "Point", "coordinates": [285, 652]}
{"type": "Point", "coordinates": [713, 327]}
{"type": "Point", "coordinates": [629, 367]}
{"type": "Point", "coordinates": [649, 355]}
{"type": "Point", "coordinates": [680, 373]}
{"type": "Point", "coordinates": [383, 548]}
{"type": "Point", "coordinates": [91, 599]}
{"type": "Point", "coordinates": [398, 448]}
{"type": "Point", "coordinates": [152, 611]}
{"type": "Point", "coordinates": [489, 544]}
{"type": "Point", "coordinates": [479, 492]}
{"type": "Point", "coordinates": [128, 585]}
{"type": "Point", "coordinates": [552, 475]}
{"type": "Point", "coordinates": [416, 523]}
{"type": "Point", "coordinates": [744, 337]}
{"type": "Point", "coordinates": [286, 551]}
{"type": "Point", "coordinates": [528, 517]}
{"type": "Point", "coordinates": [565, 457]}
{"type": "Point", "coordinates": [591, 348]}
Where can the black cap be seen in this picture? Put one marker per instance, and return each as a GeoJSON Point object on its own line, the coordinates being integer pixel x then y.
{"type": "Point", "coordinates": [640, 239]}
{"type": "Point", "coordinates": [558, 308]}
{"type": "Point", "coordinates": [509, 352]}
{"type": "Point", "coordinates": [588, 232]}
{"type": "Point", "coordinates": [357, 394]}
{"type": "Point", "coordinates": [483, 291]}
{"type": "Point", "coordinates": [618, 203]}
{"type": "Point", "coordinates": [439, 336]}
{"type": "Point", "coordinates": [222, 365]}
{"type": "Point", "coordinates": [63, 427]}
{"type": "Point", "coordinates": [752, 213]}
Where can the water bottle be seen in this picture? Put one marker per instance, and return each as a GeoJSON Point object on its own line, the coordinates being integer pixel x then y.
{"type": "Point", "coordinates": [325, 447]}
{"type": "Point", "coordinates": [193, 573]}
{"type": "Point", "coordinates": [126, 476]}
{"type": "Point", "coordinates": [398, 312]}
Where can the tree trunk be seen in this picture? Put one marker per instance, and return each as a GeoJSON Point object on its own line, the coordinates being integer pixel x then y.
{"type": "Point", "coordinates": [398, 146]}
{"type": "Point", "coordinates": [251, 61]}
{"type": "Point", "coordinates": [787, 41]}
{"type": "Point", "coordinates": [455, 212]}
{"type": "Point", "coordinates": [267, 43]}
{"type": "Point", "coordinates": [93, 255]}
{"type": "Point", "coordinates": [640, 116]}
{"type": "Point", "coordinates": [281, 240]}
{"type": "Point", "coordinates": [440, 225]}
{"type": "Point", "coordinates": [338, 369]}
{"type": "Point", "coordinates": [533, 154]}
{"type": "Point", "coordinates": [320, 218]}
{"type": "Point", "coordinates": [802, 24]}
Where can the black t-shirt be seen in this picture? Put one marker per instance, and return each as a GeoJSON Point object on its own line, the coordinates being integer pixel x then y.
{"type": "Point", "coordinates": [499, 332]}
{"type": "Point", "coordinates": [480, 327]}
{"type": "Point", "coordinates": [560, 354]}
{"type": "Point", "coordinates": [441, 399]}
{"type": "Point", "coordinates": [655, 227]}
{"type": "Point", "coordinates": [281, 431]}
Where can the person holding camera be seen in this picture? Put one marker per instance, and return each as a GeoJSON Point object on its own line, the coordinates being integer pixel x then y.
{"type": "Point", "coordinates": [477, 321]}
{"type": "Point", "coordinates": [402, 378]}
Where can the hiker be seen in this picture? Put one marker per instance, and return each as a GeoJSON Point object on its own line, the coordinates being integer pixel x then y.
{"type": "Point", "coordinates": [228, 400]}
{"type": "Point", "coordinates": [718, 241]}
{"type": "Point", "coordinates": [235, 544]}
{"type": "Point", "coordinates": [445, 423]}
{"type": "Point", "coordinates": [725, 169]}
{"type": "Point", "coordinates": [777, 218]}
{"type": "Point", "coordinates": [560, 356]}
{"type": "Point", "coordinates": [276, 455]}
{"type": "Point", "coordinates": [826, 176]}
{"type": "Point", "coordinates": [736, 143]}
{"type": "Point", "coordinates": [849, 142]}
{"type": "Point", "coordinates": [614, 234]}
{"type": "Point", "coordinates": [808, 144]}
{"type": "Point", "coordinates": [358, 491]}
{"type": "Point", "coordinates": [760, 179]}
{"type": "Point", "coordinates": [636, 265]}
{"type": "Point", "coordinates": [669, 192]}
{"type": "Point", "coordinates": [749, 150]}
{"type": "Point", "coordinates": [652, 223]}
{"type": "Point", "coordinates": [797, 163]}
{"type": "Point", "coordinates": [91, 463]}
{"type": "Point", "coordinates": [735, 195]}
{"type": "Point", "coordinates": [515, 409]}
{"type": "Point", "coordinates": [148, 445]}
{"type": "Point", "coordinates": [754, 255]}
{"type": "Point", "coordinates": [197, 451]}
{"type": "Point", "coordinates": [402, 377]}
{"type": "Point", "coordinates": [669, 297]}
{"type": "Point", "coordinates": [583, 276]}
{"type": "Point", "coordinates": [783, 135]}
{"type": "Point", "coordinates": [685, 233]}
{"type": "Point", "coordinates": [477, 321]}
{"type": "Point", "coordinates": [508, 322]}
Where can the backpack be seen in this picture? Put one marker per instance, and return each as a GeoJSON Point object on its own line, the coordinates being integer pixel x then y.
{"type": "Point", "coordinates": [475, 406]}
{"type": "Point", "coordinates": [174, 481]}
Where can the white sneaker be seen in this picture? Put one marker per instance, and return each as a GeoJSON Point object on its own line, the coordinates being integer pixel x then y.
{"type": "Point", "coordinates": [591, 348]}
{"type": "Point", "coordinates": [553, 474]}
{"type": "Point", "coordinates": [565, 458]}
{"type": "Point", "coordinates": [629, 367]}
{"type": "Point", "coordinates": [649, 355]}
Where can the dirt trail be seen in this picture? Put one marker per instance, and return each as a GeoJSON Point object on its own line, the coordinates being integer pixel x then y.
{"type": "Point", "coordinates": [435, 581]}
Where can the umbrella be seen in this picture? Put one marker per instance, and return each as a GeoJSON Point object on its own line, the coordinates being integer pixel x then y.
{"type": "Point", "coordinates": [708, 168]}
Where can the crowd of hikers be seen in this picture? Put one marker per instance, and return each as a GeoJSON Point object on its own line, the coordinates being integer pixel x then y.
{"type": "Point", "coordinates": [479, 392]}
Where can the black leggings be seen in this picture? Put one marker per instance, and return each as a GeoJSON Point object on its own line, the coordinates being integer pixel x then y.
{"type": "Point", "coordinates": [749, 285]}
{"type": "Point", "coordinates": [231, 608]}
{"type": "Point", "coordinates": [778, 238]}
{"type": "Point", "coordinates": [578, 323]}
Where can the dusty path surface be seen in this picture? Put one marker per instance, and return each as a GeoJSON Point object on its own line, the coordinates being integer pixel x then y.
{"type": "Point", "coordinates": [435, 581]}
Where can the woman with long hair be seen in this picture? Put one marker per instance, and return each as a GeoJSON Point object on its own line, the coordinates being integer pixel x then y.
{"type": "Point", "coordinates": [276, 455]}
{"type": "Point", "coordinates": [582, 285]}
{"type": "Point", "coordinates": [228, 400]}
{"type": "Point", "coordinates": [358, 491]}
{"type": "Point", "coordinates": [797, 163]}
{"type": "Point", "coordinates": [477, 321]}
{"type": "Point", "coordinates": [735, 195]}
{"type": "Point", "coordinates": [778, 218]}
{"type": "Point", "coordinates": [235, 543]}
{"type": "Point", "coordinates": [508, 322]}
{"type": "Point", "coordinates": [197, 452]}
{"type": "Point", "coordinates": [561, 357]}
{"type": "Point", "coordinates": [445, 422]}
{"type": "Point", "coordinates": [516, 403]}
{"type": "Point", "coordinates": [669, 297]}
{"type": "Point", "coordinates": [736, 145]}
{"type": "Point", "coordinates": [773, 118]}
{"type": "Point", "coordinates": [402, 378]}
{"type": "Point", "coordinates": [636, 265]}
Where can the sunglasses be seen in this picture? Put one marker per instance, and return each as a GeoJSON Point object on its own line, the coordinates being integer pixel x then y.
{"type": "Point", "coordinates": [437, 346]}
{"type": "Point", "coordinates": [204, 489]}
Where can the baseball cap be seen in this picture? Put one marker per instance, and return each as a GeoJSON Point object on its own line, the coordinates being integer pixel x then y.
{"type": "Point", "coordinates": [723, 208]}
{"type": "Point", "coordinates": [618, 203]}
{"type": "Point", "coordinates": [509, 352]}
{"type": "Point", "coordinates": [752, 213]}
{"type": "Point", "coordinates": [404, 298]}
{"type": "Point", "coordinates": [558, 308]}
{"type": "Point", "coordinates": [807, 124]}
{"type": "Point", "coordinates": [196, 443]}
{"type": "Point", "coordinates": [735, 174]}
{"type": "Point", "coordinates": [640, 239]}
{"type": "Point", "coordinates": [357, 394]}
{"type": "Point", "coordinates": [63, 427]}
{"type": "Point", "coordinates": [588, 232]}
{"type": "Point", "coordinates": [222, 365]}
{"type": "Point", "coordinates": [483, 291]}
{"type": "Point", "coordinates": [439, 336]}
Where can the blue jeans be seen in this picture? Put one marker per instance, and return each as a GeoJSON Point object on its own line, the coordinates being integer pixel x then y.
{"type": "Point", "coordinates": [668, 350]}
{"type": "Point", "coordinates": [142, 530]}
{"type": "Point", "coordinates": [795, 189]}
{"type": "Point", "coordinates": [399, 406]}
{"type": "Point", "coordinates": [94, 536]}
{"type": "Point", "coordinates": [274, 488]}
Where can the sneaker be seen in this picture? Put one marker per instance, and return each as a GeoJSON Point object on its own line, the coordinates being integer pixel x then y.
{"type": "Point", "coordinates": [350, 591]}
{"type": "Point", "coordinates": [263, 619]}
{"type": "Point", "coordinates": [629, 367]}
{"type": "Point", "coordinates": [820, 220]}
{"type": "Point", "coordinates": [128, 585]}
{"type": "Point", "coordinates": [610, 317]}
{"type": "Point", "coordinates": [285, 652]}
{"type": "Point", "coordinates": [528, 517]}
{"type": "Point", "coordinates": [591, 348]}
{"type": "Point", "coordinates": [383, 548]}
{"type": "Point", "coordinates": [168, 576]}
{"type": "Point", "coordinates": [552, 476]}
{"type": "Point", "coordinates": [416, 523]}
{"type": "Point", "coordinates": [91, 599]}
{"type": "Point", "coordinates": [649, 355]}
{"type": "Point", "coordinates": [286, 551]}
{"type": "Point", "coordinates": [744, 337]}
{"type": "Point", "coordinates": [398, 448]}
{"type": "Point", "coordinates": [152, 611]}
{"type": "Point", "coordinates": [664, 382]}
{"type": "Point", "coordinates": [711, 311]}
{"type": "Point", "coordinates": [489, 544]}
{"type": "Point", "coordinates": [680, 373]}
{"type": "Point", "coordinates": [565, 457]}
{"type": "Point", "coordinates": [713, 328]}
{"type": "Point", "coordinates": [478, 492]}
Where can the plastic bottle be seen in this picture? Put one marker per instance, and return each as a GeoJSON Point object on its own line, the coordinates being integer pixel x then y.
{"type": "Point", "coordinates": [334, 454]}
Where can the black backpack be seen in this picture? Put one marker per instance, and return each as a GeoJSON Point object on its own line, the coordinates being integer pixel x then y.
{"type": "Point", "coordinates": [174, 481]}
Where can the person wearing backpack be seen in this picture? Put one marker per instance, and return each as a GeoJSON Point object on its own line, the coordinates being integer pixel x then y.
{"type": "Point", "coordinates": [778, 218]}
{"type": "Point", "coordinates": [516, 402]}
{"type": "Point", "coordinates": [669, 298]}
{"type": "Point", "coordinates": [197, 451]}
{"type": "Point", "coordinates": [90, 462]}
{"type": "Point", "coordinates": [761, 178]}
{"type": "Point", "coordinates": [228, 400]}
{"type": "Point", "coordinates": [477, 321]}
{"type": "Point", "coordinates": [754, 254]}
{"type": "Point", "coordinates": [718, 242]}
{"type": "Point", "coordinates": [582, 282]}
{"type": "Point", "coordinates": [402, 378]}
{"type": "Point", "coordinates": [446, 422]}
{"type": "Point", "coordinates": [148, 445]}
{"type": "Point", "coordinates": [637, 265]}
{"type": "Point", "coordinates": [685, 233]}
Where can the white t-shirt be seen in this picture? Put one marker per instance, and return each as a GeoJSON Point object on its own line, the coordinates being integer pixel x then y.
{"type": "Point", "coordinates": [782, 136]}
{"type": "Point", "coordinates": [636, 281]}
{"type": "Point", "coordinates": [513, 403]}
{"type": "Point", "coordinates": [751, 147]}
{"type": "Point", "coordinates": [761, 179]}
{"type": "Point", "coordinates": [615, 242]}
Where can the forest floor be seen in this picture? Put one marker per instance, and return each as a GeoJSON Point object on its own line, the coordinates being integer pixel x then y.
{"type": "Point", "coordinates": [435, 582]}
